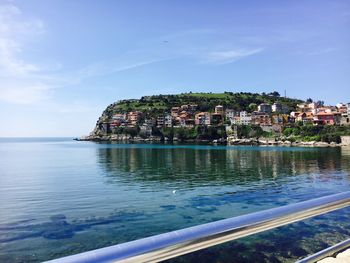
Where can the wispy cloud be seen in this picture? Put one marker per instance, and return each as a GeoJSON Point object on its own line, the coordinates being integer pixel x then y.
{"type": "Point", "coordinates": [19, 82]}
{"type": "Point", "coordinates": [23, 82]}
{"type": "Point", "coordinates": [108, 67]}
{"type": "Point", "coordinates": [321, 51]}
{"type": "Point", "coordinates": [229, 56]}
{"type": "Point", "coordinates": [22, 92]}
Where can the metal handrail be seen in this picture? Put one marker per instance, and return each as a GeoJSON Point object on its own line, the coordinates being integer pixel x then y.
{"type": "Point", "coordinates": [172, 244]}
{"type": "Point", "coordinates": [330, 251]}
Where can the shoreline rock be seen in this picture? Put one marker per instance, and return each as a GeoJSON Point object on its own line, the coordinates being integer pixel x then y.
{"type": "Point", "coordinates": [228, 141]}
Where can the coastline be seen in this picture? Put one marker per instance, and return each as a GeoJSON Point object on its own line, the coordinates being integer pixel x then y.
{"type": "Point", "coordinates": [227, 141]}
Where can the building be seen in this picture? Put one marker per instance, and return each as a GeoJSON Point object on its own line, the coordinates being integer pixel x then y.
{"type": "Point", "coordinates": [203, 118]}
{"type": "Point", "coordinates": [341, 106]}
{"type": "Point", "coordinates": [305, 117]}
{"type": "Point", "coordinates": [217, 119]}
{"type": "Point", "coordinates": [265, 108]}
{"type": "Point", "coordinates": [281, 119]}
{"type": "Point", "coordinates": [118, 120]}
{"type": "Point", "coordinates": [279, 108]}
{"type": "Point", "coordinates": [118, 116]}
{"type": "Point", "coordinates": [184, 119]}
{"type": "Point", "coordinates": [192, 108]}
{"type": "Point", "coordinates": [219, 109]}
{"type": "Point", "coordinates": [345, 117]}
{"type": "Point", "coordinates": [150, 122]}
{"type": "Point", "coordinates": [261, 118]}
{"type": "Point", "coordinates": [276, 107]}
{"type": "Point", "coordinates": [189, 107]}
{"type": "Point", "coordinates": [295, 114]}
{"type": "Point", "coordinates": [313, 105]}
{"type": "Point", "coordinates": [133, 118]}
{"type": "Point", "coordinates": [168, 120]}
{"type": "Point", "coordinates": [184, 107]}
{"type": "Point", "coordinates": [175, 111]}
{"type": "Point", "coordinates": [303, 107]}
{"type": "Point", "coordinates": [160, 121]}
{"type": "Point", "coordinates": [328, 118]}
{"type": "Point", "coordinates": [277, 119]}
{"type": "Point", "coordinates": [245, 118]}
{"type": "Point", "coordinates": [230, 113]}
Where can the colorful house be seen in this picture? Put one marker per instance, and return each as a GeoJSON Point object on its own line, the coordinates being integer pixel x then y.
{"type": "Point", "coordinates": [261, 118]}
{"type": "Point", "coordinates": [203, 118]}
{"type": "Point", "coordinates": [328, 118]}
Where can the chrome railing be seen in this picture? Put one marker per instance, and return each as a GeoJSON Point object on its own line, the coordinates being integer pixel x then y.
{"type": "Point", "coordinates": [172, 244]}
{"type": "Point", "coordinates": [330, 251]}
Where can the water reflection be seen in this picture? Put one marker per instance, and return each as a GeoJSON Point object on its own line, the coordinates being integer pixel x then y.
{"type": "Point", "coordinates": [202, 165]}
{"type": "Point", "coordinates": [78, 197]}
{"type": "Point", "coordinates": [248, 179]}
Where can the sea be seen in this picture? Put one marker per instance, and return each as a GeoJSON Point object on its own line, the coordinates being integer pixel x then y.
{"type": "Point", "coordinates": [60, 197]}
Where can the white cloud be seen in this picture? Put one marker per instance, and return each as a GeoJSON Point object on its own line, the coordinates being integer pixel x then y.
{"type": "Point", "coordinates": [20, 81]}
{"type": "Point", "coordinates": [105, 68]}
{"type": "Point", "coordinates": [229, 56]}
{"type": "Point", "coordinates": [321, 51]}
{"type": "Point", "coordinates": [25, 82]}
{"type": "Point", "coordinates": [20, 92]}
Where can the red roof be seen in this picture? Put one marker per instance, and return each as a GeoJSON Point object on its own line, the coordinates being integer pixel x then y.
{"type": "Point", "coordinates": [325, 113]}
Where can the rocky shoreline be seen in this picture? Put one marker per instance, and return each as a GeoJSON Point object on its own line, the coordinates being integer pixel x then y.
{"type": "Point", "coordinates": [228, 141]}
{"type": "Point", "coordinates": [282, 143]}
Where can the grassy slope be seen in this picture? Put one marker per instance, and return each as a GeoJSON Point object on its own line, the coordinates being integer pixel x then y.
{"type": "Point", "coordinates": [159, 104]}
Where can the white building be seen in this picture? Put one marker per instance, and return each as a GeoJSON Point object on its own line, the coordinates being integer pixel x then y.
{"type": "Point", "coordinates": [276, 107]}
{"type": "Point", "coordinates": [231, 114]}
{"type": "Point", "coordinates": [168, 120]}
{"type": "Point", "coordinates": [245, 118]}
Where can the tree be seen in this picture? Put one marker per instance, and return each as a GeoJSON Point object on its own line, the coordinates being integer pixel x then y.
{"type": "Point", "coordinates": [253, 107]}
{"type": "Point", "coordinates": [274, 93]}
{"type": "Point", "coordinates": [168, 132]}
{"type": "Point", "coordinates": [132, 131]}
{"type": "Point", "coordinates": [256, 131]}
{"type": "Point", "coordinates": [180, 134]}
{"type": "Point", "coordinates": [320, 103]}
{"type": "Point", "coordinates": [309, 100]}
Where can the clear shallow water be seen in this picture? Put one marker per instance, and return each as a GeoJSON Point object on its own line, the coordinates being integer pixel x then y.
{"type": "Point", "coordinates": [59, 197]}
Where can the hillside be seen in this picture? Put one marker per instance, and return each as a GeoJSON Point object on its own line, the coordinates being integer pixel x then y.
{"type": "Point", "coordinates": [160, 104]}
{"type": "Point", "coordinates": [147, 116]}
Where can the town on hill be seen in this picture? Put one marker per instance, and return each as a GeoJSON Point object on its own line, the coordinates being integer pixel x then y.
{"type": "Point", "coordinates": [243, 118]}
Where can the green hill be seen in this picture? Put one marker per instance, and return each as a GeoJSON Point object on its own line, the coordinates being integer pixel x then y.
{"type": "Point", "coordinates": [158, 104]}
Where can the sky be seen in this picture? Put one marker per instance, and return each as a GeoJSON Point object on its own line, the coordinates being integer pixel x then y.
{"type": "Point", "coordinates": [62, 62]}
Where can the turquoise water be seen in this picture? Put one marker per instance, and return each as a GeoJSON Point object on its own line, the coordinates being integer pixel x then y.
{"type": "Point", "coordinates": [59, 197]}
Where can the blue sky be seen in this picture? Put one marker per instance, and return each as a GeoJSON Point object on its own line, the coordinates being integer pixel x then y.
{"type": "Point", "coordinates": [62, 62]}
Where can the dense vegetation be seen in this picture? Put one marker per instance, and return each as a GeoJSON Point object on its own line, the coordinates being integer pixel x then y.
{"type": "Point", "coordinates": [158, 104]}
{"type": "Point", "coordinates": [182, 134]}
{"type": "Point", "coordinates": [251, 131]}
{"type": "Point", "coordinates": [316, 133]}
